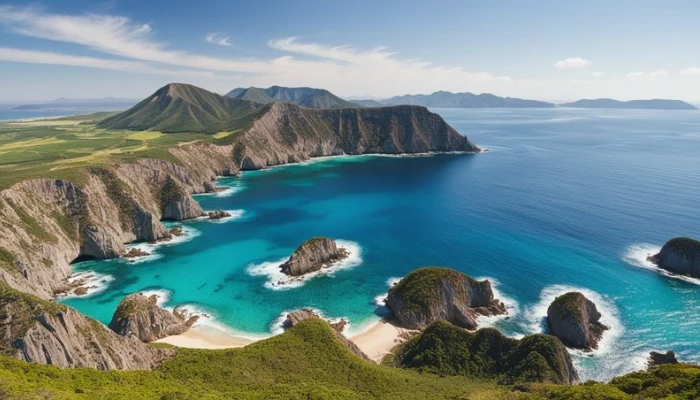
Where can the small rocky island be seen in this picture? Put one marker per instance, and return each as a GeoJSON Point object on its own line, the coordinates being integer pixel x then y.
{"type": "Point", "coordinates": [218, 214]}
{"type": "Point", "coordinates": [430, 294]}
{"type": "Point", "coordinates": [313, 255]}
{"type": "Point", "coordinates": [575, 320]}
{"type": "Point", "coordinates": [679, 255]}
{"type": "Point", "coordinates": [141, 316]}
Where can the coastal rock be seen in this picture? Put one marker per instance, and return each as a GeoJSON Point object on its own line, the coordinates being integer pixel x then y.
{"type": "Point", "coordinates": [296, 316]}
{"type": "Point", "coordinates": [136, 252]}
{"type": "Point", "coordinates": [656, 359]}
{"type": "Point", "coordinates": [575, 320]}
{"type": "Point", "coordinates": [679, 255]}
{"type": "Point", "coordinates": [445, 349]}
{"type": "Point", "coordinates": [313, 255]}
{"type": "Point", "coordinates": [141, 317]}
{"type": "Point", "coordinates": [430, 294]}
{"type": "Point", "coordinates": [39, 331]}
{"type": "Point", "coordinates": [218, 214]}
{"type": "Point", "coordinates": [176, 204]}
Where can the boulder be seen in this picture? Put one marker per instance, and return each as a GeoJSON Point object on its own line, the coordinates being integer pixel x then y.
{"type": "Point", "coordinates": [218, 214]}
{"type": "Point", "coordinates": [656, 359]}
{"type": "Point", "coordinates": [575, 320]}
{"type": "Point", "coordinates": [141, 316]}
{"type": "Point", "coordinates": [430, 294]}
{"type": "Point", "coordinates": [679, 255]}
{"type": "Point", "coordinates": [313, 255]}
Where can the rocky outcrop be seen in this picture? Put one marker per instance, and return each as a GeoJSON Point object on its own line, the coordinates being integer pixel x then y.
{"type": "Point", "coordinates": [296, 316]}
{"type": "Point", "coordinates": [141, 317]}
{"type": "Point", "coordinates": [313, 255]}
{"type": "Point", "coordinates": [656, 359]}
{"type": "Point", "coordinates": [218, 214]}
{"type": "Point", "coordinates": [445, 349]}
{"type": "Point", "coordinates": [430, 294]}
{"type": "Point", "coordinates": [680, 256]}
{"type": "Point", "coordinates": [35, 330]}
{"type": "Point", "coordinates": [575, 320]}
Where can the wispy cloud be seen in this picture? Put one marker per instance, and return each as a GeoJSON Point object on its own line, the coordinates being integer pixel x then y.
{"type": "Point", "coordinates": [342, 68]}
{"type": "Point", "coordinates": [598, 74]}
{"type": "Point", "coordinates": [641, 74]}
{"type": "Point", "coordinates": [218, 39]}
{"type": "Point", "coordinates": [692, 71]}
{"type": "Point", "coordinates": [572, 62]}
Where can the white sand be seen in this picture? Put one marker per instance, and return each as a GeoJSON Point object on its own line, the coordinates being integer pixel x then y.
{"type": "Point", "coordinates": [378, 340]}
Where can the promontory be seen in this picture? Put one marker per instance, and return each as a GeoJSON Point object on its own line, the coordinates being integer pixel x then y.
{"type": "Point", "coordinates": [313, 255]}
{"type": "Point", "coordinates": [576, 321]}
{"type": "Point", "coordinates": [679, 255]}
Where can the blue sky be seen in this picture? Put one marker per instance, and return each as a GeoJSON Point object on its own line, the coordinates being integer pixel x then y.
{"type": "Point", "coordinates": [550, 50]}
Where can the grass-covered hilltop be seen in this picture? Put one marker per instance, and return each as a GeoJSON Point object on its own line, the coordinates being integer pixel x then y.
{"type": "Point", "coordinates": [83, 187]}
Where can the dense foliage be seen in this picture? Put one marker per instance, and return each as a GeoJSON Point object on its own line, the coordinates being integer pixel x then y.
{"type": "Point", "coordinates": [421, 287]}
{"type": "Point", "coordinates": [684, 245]}
{"type": "Point", "coordinates": [446, 349]}
{"type": "Point", "coordinates": [568, 306]}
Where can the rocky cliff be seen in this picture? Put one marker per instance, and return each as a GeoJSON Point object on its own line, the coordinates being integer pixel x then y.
{"type": "Point", "coordinates": [296, 316]}
{"type": "Point", "coordinates": [45, 224]}
{"type": "Point", "coordinates": [48, 333]}
{"type": "Point", "coordinates": [313, 255]}
{"type": "Point", "coordinates": [679, 255]}
{"type": "Point", "coordinates": [449, 350]}
{"type": "Point", "coordinates": [141, 317]}
{"type": "Point", "coordinates": [430, 294]}
{"type": "Point", "coordinates": [575, 320]}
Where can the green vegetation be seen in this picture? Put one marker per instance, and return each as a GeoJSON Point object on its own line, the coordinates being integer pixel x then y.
{"type": "Point", "coordinates": [420, 287]}
{"type": "Point", "coordinates": [170, 192]}
{"type": "Point", "coordinates": [684, 245]}
{"type": "Point", "coordinates": [568, 306]}
{"type": "Point", "coordinates": [446, 349]}
{"type": "Point", "coordinates": [31, 225]}
{"type": "Point", "coordinates": [6, 258]}
{"type": "Point", "coordinates": [118, 191]}
{"type": "Point", "coordinates": [302, 96]}
{"type": "Point", "coordinates": [67, 224]}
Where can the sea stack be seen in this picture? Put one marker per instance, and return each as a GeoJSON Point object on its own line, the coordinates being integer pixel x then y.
{"type": "Point", "coordinates": [430, 294]}
{"type": "Point", "coordinates": [679, 255]}
{"type": "Point", "coordinates": [313, 255]}
{"type": "Point", "coordinates": [141, 316]}
{"type": "Point", "coordinates": [575, 320]}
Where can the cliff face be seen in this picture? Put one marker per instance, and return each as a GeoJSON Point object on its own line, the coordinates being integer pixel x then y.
{"type": "Point", "coordinates": [679, 255]}
{"type": "Point", "coordinates": [449, 350]}
{"type": "Point", "coordinates": [140, 316]}
{"type": "Point", "coordinates": [312, 255]}
{"type": "Point", "coordinates": [430, 294]}
{"type": "Point", "coordinates": [575, 320]}
{"type": "Point", "coordinates": [48, 333]}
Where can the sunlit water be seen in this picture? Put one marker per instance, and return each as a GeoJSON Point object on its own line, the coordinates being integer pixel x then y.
{"type": "Point", "coordinates": [565, 199]}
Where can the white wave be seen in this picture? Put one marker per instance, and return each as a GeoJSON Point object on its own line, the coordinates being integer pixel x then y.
{"type": "Point", "coordinates": [512, 306]}
{"type": "Point", "coordinates": [235, 214]}
{"type": "Point", "coordinates": [535, 316]}
{"type": "Point", "coordinates": [188, 233]}
{"type": "Point", "coordinates": [209, 318]}
{"type": "Point", "coordinates": [162, 296]}
{"type": "Point", "coordinates": [280, 281]}
{"type": "Point", "coordinates": [380, 300]}
{"type": "Point", "coordinates": [93, 282]}
{"type": "Point", "coordinates": [637, 254]}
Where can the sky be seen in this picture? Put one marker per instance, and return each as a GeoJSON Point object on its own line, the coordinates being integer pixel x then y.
{"type": "Point", "coordinates": [546, 50]}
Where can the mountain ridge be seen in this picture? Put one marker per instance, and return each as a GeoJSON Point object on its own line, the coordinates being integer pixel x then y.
{"type": "Point", "coordinates": [447, 99]}
{"type": "Point", "coordinates": [650, 104]}
{"type": "Point", "coordinates": [302, 96]}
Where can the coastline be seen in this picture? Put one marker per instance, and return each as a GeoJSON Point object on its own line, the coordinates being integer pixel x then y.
{"type": "Point", "coordinates": [376, 342]}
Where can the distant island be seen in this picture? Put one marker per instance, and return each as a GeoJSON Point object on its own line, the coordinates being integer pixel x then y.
{"type": "Point", "coordinates": [301, 96]}
{"type": "Point", "coordinates": [107, 102]}
{"type": "Point", "coordinates": [653, 104]}
{"type": "Point", "coordinates": [457, 100]}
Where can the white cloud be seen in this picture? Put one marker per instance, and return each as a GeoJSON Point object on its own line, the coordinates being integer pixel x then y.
{"type": "Point", "coordinates": [572, 62]}
{"type": "Point", "coordinates": [218, 39]}
{"type": "Point", "coordinates": [598, 74]}
{"type": "Point", "coordinates": [339, 68]}
{"type": "Point", "coordinates": [658, 74]}
{"type": "Point", "coordinates": [47, 57]}
{"type": "Point", "coordinates": [641, 74]}
{"type": "Point", "coordinates": [691, 71]}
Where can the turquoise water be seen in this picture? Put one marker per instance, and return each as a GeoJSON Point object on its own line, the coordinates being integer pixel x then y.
{"type": "Point", "coordinates": [564, 199]}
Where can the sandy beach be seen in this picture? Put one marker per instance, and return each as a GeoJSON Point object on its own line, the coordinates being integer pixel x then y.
{"type": "Point", "coordinates": [376, 342]}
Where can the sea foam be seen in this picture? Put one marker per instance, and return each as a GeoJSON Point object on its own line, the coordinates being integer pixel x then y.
{"type": "Point", "coordinates": [277, 280]}
{"type": "Point", "coordinates": [93, 282]}
{"type": "Point", "coordinates": [636, 255]}
{"type": "Point", "coordinates": [512, 306]}
{"type": "Point", "coordinates": [188, 233]}
{"type": "Point", "coordinates": [235, 214]}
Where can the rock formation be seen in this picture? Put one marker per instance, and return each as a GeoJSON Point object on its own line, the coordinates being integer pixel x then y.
{"type": "Point", "coordinates": [140, 316]}
{"type": "Point", "coordinates": [575, 320]}
{"type": "Point", "coordinates": [296, 316]}
{"type": "Point", "coordinates": [680, 256]}
{"type": "Point", "coordinates": [430, 294]}
{"type": "Point", "coordinates": [656, 359]}
{"type": "Point", "coordinates": [49, 333]}
{"type": "Point", "coordinates": [313, 255]}
{"type": "Point", "coordinates": [218, 214]}
{"type": "Point", "coordinates": [135, 252]}
{"type": "Point", "coordinates": [445, 349]}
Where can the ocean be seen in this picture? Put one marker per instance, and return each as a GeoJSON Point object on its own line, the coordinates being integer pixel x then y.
{"type": "Point", "coordinates": [565, 199]}
{"type": "Point", "coordinates": [10, 114]}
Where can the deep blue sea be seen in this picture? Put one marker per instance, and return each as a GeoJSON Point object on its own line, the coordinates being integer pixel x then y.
{"type": "Point", "coordinates": [9, 114]}
{"type": "Point", "coordinates": [564, 199]}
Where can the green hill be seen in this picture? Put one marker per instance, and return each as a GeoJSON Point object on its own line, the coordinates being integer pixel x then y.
{"type": "Point", "coordinates": [178, 107]}
{"type": "Point", "coordinates": [302, 96]}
